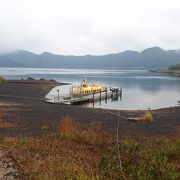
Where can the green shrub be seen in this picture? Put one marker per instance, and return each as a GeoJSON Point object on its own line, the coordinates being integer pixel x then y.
{"type": "Point", "coordinates": [53, 156]}
{"type": "Point", "coordinates": [149, 159]}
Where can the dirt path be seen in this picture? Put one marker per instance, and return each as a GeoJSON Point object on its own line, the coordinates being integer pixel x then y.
{"type": "Point", "coordinates": [9, 169]}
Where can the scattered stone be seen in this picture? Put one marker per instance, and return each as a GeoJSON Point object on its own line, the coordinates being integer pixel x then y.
{"type": "Point", "coordinates": [9, 168]}
{"type": "Point", "coordinates": [29, 78]}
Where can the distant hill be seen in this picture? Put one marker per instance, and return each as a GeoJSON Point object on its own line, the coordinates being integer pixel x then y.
{"type": "Point", "coordinates": [151, 58]}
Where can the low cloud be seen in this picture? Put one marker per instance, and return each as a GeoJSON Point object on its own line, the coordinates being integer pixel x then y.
{"type": "Point", "coordinates": [88, 26]}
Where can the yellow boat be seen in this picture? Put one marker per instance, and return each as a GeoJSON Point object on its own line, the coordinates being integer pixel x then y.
{"type": "Point", "coordinates": [85, 89]}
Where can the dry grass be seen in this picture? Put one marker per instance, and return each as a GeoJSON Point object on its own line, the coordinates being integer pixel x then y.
{"type": "Point", "coordinates": [88, 152]}
{"type": "Point", "coordinates": [4, 123]}
{"type": "Point", "coordinates": [67, 126]}
{"type": "Point", "coordinates": [92, 134]}
{"type": "Point", "coordinates": [2, 80]}
{"type": "Point", "coordinates": [53, 157]}
{"type": "Point", "coordinates": [147, 117]}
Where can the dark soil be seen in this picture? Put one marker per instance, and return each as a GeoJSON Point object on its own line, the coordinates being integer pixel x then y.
{"type": "Point", "coordinates": [33, 117]}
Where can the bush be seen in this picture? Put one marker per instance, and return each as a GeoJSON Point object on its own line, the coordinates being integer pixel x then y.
{"type": "Point", "coordinates": [55, 157]}
{"type": "Point", "coordinates": [157, 158]}
{"type": "Point", "coordinates": [94, 134]}
{"type": "Point", "coordinates": [2, 80]}
{"type": "Point", "coordinates": [147, 117]}
{"type": "Point", "coordinates": [67, 127]}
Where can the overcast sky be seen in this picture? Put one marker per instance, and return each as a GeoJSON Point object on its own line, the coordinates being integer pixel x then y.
{"type": "Point", "coordinates": [82, 27]}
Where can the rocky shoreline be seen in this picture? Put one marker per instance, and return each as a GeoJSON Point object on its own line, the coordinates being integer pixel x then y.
{"type": "Point", "coordinates": [29, 116]}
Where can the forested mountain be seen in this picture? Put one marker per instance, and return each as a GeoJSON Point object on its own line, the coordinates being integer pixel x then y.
{"type": "Point", "coordinates": [151, 58]}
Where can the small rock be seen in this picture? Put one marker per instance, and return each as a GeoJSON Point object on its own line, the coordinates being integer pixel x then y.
{"type": "Point", "coordinates": [29, 78]}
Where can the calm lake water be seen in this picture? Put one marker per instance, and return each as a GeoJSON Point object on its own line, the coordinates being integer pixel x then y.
{"type": "Point", "coordinates": [141, 89]}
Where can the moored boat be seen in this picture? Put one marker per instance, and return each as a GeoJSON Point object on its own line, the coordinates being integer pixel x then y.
{"type": "Point", "coordinates": [85, 89]}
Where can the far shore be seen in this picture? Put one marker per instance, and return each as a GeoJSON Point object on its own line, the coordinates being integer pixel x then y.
{"type": "Point", "coordinates": [167, 71]}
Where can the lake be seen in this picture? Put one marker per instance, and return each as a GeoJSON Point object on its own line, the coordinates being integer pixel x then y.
{"type": "Point", "coordinates": [141, 89]}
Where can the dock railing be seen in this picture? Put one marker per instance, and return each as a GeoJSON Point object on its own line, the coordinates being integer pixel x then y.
{"type": "Point", "coordinates": [91, 97]}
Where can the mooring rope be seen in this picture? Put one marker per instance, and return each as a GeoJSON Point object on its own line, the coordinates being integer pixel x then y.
{"type": "Point", "coordinates": [117, 139]}
{"type": "Point", "coordinates": [118, 115]}
{"type": "Point", "coordinates": [118, 151]}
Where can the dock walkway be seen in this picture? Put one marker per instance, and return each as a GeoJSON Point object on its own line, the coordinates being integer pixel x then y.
{"type": "Point", "coordinates": [84, 98]}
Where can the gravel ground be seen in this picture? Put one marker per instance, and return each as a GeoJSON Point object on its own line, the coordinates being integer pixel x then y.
{"type": "Point", "coordinates": [30, 116]}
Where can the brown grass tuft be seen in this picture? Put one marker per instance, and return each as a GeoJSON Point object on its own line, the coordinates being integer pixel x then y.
{"type": "Point", "coordinates": [93, 134]}
{"type": "Point", "coordinates": [147, 117]}
{"type": "Point", "coordinates": [67, 126]}
{"type": "Point", "coordinates": [4, 123]}
{"type": "Point", "coordinates": [2, 80]}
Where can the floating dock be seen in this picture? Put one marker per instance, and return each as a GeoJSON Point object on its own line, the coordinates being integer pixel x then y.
{"type": "Point", "coordinates": [85, 98]}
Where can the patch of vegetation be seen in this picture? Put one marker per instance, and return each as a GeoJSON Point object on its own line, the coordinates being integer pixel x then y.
{"type": "Point", "coordinates": [174, 67]}
{"type": "Point", "coordinates": [2, 80]}
{"type": "Point", "coordinates": [147, 117]}
{"type": "Point", "coordinates": [78, 152]}
{"type": "Point", "coordinates": [4, 124]}
{"type": "Point", "coordinates": [92, 134]}
{"type": "Point", "coordinates": [153, 159]}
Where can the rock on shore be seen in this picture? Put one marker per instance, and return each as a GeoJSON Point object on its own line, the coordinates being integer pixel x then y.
{"type": "Point", "coordinates": [9, 169]}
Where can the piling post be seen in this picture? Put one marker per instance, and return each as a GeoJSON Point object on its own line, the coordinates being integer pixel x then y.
{"type": "Point", "coordinates": [58, 94]}
{"type": "Point", "coordinates": [111, 95]}
{"type": "Point", "coordinates": [117, 93]}
{"type": "Point", "coordinates": [93, 98]}
{"type": "Point", "coordinates": [121, 93]}
{"type": "Point", "coordinates": [106, 96]}
{"type": "Point", "coordinates": [100, 97]}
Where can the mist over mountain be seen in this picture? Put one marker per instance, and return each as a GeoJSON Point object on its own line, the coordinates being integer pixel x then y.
{"type": "Point", "coordinates": [151, 58]}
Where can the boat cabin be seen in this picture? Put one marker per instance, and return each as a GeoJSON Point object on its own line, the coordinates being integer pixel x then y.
{"type": "Point", "coordinates": [84, 88]}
